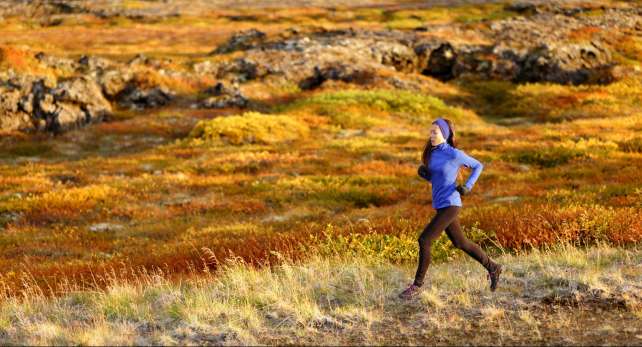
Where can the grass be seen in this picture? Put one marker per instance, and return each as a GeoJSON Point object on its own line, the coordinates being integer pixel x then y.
{"type": "Point", "coordinates": [548, 102]}
{"type": "Point", "coordinates": [351, 300]}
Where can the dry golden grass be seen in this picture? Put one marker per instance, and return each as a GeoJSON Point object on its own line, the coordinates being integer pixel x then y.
{"type": "Point", "coordinates": [545, 297]}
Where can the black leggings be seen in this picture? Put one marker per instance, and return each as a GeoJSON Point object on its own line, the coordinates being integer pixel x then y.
{"type": "Point", "coordinates": [446, 218]}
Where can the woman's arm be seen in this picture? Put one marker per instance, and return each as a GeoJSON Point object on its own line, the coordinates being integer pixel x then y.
{"type": "Point", "coordinates": [468, 161]}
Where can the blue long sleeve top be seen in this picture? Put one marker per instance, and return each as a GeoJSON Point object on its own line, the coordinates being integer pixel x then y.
{"type": "Point", "coordinates": [445, 161]}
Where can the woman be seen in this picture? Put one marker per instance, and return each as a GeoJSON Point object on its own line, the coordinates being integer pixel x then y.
{"type": "Point", "coordinates": [441, 162]}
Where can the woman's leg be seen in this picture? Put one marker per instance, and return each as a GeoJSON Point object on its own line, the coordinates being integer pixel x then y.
{"type": "Point", "coordinates": [431, 232]}
{"type": "Point", "coordinates": [460, 241]}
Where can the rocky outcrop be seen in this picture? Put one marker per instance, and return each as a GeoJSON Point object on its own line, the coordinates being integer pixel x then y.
{"type": "Point", "coordinates": [310, 59]}
{"type": "Point", "coordinates": [30, 104]}
{"type": "Point", "coordinates": [557, 63]}
{"type": "Point", "coordinates": [34, 102]}
{"type": "Point", "coordinates": [360, 56]}
{"type": "Point", "coordinates": [241, 41]}
{"type": "Point", "coordinates": [574, 63]}
{"type": "Point", "coordinates": [542, 42]}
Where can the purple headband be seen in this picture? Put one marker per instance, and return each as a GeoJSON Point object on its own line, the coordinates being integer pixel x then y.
{"type": "Point", "coordinates": [445, 130]}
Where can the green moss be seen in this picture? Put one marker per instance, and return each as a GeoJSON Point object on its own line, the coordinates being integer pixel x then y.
{"type": "Point", "coordinates": [355, 197]}
{"type": "Point", "coordinates": [29, 149]}
{"type": "Point", "coordinates": [250, 127]}
{"type": "Point", "coordinates": [545, 157]}
{"type": "Point", "coordinates": [359, 108]}
{"type": "Point", "coordinates": [408, 19]}
{"type": "Point", "coordinates": [469, 14]}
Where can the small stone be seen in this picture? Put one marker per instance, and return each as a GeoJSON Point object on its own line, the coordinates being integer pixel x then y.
{"type": "Point", "coordinates": [104, 227]}
{"type": "Point", "coordinates": [506, 199]}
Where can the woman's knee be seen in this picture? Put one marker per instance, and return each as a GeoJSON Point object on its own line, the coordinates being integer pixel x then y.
{"type": "Point", "coordinates": [425, 239]}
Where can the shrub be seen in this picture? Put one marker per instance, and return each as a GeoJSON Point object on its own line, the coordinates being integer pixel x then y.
{"type": "Point", "coordinates": [632, 145]}
{"type": "Point", "coordinates": [533, 225]}
{"type": "Point", "coordinates": [564, 152]}
{"type": "Point", "coordinates": [250, 127]}
{"type": "Point", "coordinates": [359, 198]}
{"type": "Point", "coordinates": [550, 102]}
{"type": "Point", "coordinates": [397, 248]}
{"type": "Point", "coordinates": [546, 157]}
{"type": "Point", "coordinates": [57, 205]}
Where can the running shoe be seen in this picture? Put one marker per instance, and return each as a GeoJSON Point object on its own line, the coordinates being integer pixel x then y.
{"type": "Point", "coordinates": [410, 292]}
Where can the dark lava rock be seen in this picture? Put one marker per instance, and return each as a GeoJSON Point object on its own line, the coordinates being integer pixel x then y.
{"type": "Point", "coordinates": [136, 97]}
{"type": "Point", "coordinates": [241, 41]}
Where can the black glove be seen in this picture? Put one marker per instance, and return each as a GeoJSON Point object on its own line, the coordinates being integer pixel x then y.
{"type": "Point", "coordinates": [462, 189]}
{"type": "Point", "coordinates": [423, 172]}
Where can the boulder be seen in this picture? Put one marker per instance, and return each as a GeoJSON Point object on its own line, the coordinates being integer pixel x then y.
{"type": "Point", "coordinates": [11, 116]}
{"type": "Point", "coordinates": [81, 101]}
{"type": "Point", "coordinates": [113, 81]}
{"type": "Point", "coordinates": [30, 104]}
{"type": "Point", "coordinates": [441, 62]}
{"type": "Point", "coordinates": [221, 96]}
{"type": "Point", "coordinates": [136, 97]}
{"type": "Point", "coordinates": [241, 70]}
{"type": "Point", "coordinates": [402, 57]}
{"type": "Point", "coordinates": [567, 63]}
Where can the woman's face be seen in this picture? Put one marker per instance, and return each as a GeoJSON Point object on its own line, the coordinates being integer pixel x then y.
{"type": "Point", "coordinates": [436, 137]}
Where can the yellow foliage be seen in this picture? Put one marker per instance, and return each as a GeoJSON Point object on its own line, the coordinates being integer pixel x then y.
{"type": "Point", "coordinates": [591, 145]}
{"type": "Point", "coordinates": [358, 144]}
{"type": "Point", "coordinates": [72, 198]}
{"type": "Point", "coordinates": [250, 127]}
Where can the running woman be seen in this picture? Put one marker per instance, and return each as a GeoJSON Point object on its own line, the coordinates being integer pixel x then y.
{"type": "Point", "coordinates": [440, 166]}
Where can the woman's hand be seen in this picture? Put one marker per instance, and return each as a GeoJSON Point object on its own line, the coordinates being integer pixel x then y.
{"type": "Point", "coordinates": [422, 171]}
{"type": "Point", "coordinates": [462, 189]}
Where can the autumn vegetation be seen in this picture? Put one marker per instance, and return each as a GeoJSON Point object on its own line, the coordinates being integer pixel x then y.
{"type": "Point", "coordinates": [297, 221]}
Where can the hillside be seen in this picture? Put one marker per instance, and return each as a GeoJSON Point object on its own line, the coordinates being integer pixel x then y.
{"type": "Point", "coordinates": [144, 144]}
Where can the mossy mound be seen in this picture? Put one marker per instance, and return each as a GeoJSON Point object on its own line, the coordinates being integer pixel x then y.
{"type": "Point", "coordinates": [367, 108]}
{"type": "Point", "coordinates": [250, 127]}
